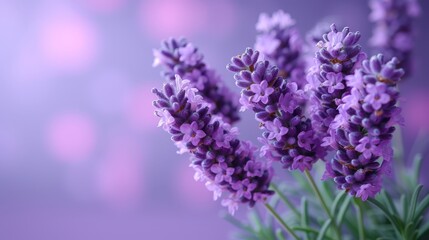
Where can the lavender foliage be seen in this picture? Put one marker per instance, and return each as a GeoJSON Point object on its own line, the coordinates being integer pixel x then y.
{"type": "Point", "coordinates": [280, 42]}
{"type": "Point", "coordinates": [338, 56]}
{"type": "Point", "coordinates": [183, 58]}
{"type": "Point", "coordinates": [393, 31]}
{"type": "Point", "coordinates": [278, 104]}
{"type": "Point", "coordinates": [220, 159]}
{"type": "Point", "coordinates": [364, 128]}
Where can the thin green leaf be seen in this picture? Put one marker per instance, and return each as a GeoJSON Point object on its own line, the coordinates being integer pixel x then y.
{"type": "Point", "coordinates": [404, 203]}
{"type": "Point", "coordinates": [281, 221]}
{"type": "Point", "coordinates": [399, 221]}
{"type": "Point", "coordinates": [327, 191]}
{"type": "Point", "coordinates": [397, 225]}
{"type": "Point", "coordinates": [286, 200]}
{"type": "Point", "coordinates": [337, 200]}
{"type": "Point", "coordinates": [417, 162]}
{"type": "Point", "coordinates": [238, 224]}
{"type": "Point", "coordinates": [266, 233]}
{"type": "Point", "coordinates": [324, 229]}
{"type": "Point", "coordinates": [255, 221]}
{"type": "Point", "coordinates": [414, 199]}
{"type": "Point", "coordinates": [262, 231]}
{"type": "Point", "coordinates": [389, 202]}
{"type": "Point", "coordinates": [279, 234]}
{"type": "Point", "coordinates": [423, 231]}
{"type": "Point", "coordinates": [343, 209]}
{"type": "Point", "coordinates": [304, 215]}
{"type": "Point", "coordinates": [305, 229]}
{"type": "Point", "coordinates": [424, 204]}
{"type": "Point", "coordinates": [359, 216]}
{"type": "Point", "coordinates": [310, 231]}
{"type": "Point", "coordinates": [409, 231]}
{"type": "Point", "coordinates": [302, 181]}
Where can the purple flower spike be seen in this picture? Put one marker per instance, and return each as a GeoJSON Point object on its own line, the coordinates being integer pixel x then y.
{"type": "Point", "coordinates": [364, 127]}
{"type": "Point", "coordinates": [393, 31]}
{"type": "Point", "coordinates": [182, 58]}
{"type": "Point", "coordinates": [338, 56]}
{"type": "Point", "coordinates": [279, 41]}
{"type": "Point", "coordinates": [223, 162]}
{"type": "Point", "coordinates": [279, 107]}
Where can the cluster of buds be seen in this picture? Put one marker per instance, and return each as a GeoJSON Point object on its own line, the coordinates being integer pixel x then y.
{"type": "Point", "coordinates": [180, 57]}
{"type": "Point", "coordinates": [347, 104]}
{"type": "Point", "coordinates": [220, 159]}
{"type": "Point", "coordinates": [278, 105]}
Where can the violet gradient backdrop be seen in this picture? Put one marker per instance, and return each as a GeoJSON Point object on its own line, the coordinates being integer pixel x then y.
{"type": "Point", "coordinates": [80, 156]}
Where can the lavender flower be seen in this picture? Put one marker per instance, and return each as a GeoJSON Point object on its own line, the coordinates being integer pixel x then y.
{"type": "Point", "coordinates": [338, 56]}
{"type": "Point", "coordinates": [279, 41]}
{"type": "Point", "coordinates": [182, 58]}
{"type": "Point", "coordinates": [225, 163]}
{"type": "Point", "coordinates": [365, 125]}
{"type": "Point", "coordinates": [393, 32]}
{"type": "Point", "coordinates": [278, 105]}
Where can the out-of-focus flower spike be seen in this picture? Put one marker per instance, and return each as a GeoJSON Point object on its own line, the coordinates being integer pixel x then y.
{"type": "Point", "coordinates": [393, 31]}
{"type": "Point", "coordinates": [279, 41]}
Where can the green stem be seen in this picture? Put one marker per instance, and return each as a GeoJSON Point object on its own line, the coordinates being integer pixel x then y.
{"type": "Point", "coordinates": [317, 192]}
{"type": "Point", "coordinates": [322, 201]}
{"type": "Point", "coordinates": [281, 221]}
{"type": "Point", "coordinates": [359, 216]}
{"type": "Point", "coordinates": [286, 200]}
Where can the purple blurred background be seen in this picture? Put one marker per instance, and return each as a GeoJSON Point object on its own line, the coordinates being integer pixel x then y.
{"type": "Point", "coordinates": [80, 154]}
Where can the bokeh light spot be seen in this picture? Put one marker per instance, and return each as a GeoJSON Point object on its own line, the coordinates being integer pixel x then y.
{"type": "Point", "coordinates": [68, 40]}
{"type": "Point", "coordinates": [71, 137]}
{"type": "Point", "coordinates": [165, 18]}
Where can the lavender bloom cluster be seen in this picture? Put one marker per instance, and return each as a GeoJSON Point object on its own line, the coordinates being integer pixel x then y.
{"type": "Point", "coordinates": [393, 34]}
{"type": "Point", "coordinates": [347, 103]}
{"type": "Point", "coordinates": [223, 162]}
{"type": "Point", "coordinates": [278, 104]}
{"type": "Point", "coordinates": [364, 127]}
{"type": "Point", "coordinates": [182, 58]}
{"type": "Point", "coordinates": [280, 42]}
{"type": "Point", "coordinates": [338, 56]}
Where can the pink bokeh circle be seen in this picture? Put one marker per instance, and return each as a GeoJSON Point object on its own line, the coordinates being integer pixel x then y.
{"type": "Point", "coordinates": [71, 137]}
{"type": "Point", "coordinates": [165, 18]}
{"type": "Point", "coordinates": [67, 40]}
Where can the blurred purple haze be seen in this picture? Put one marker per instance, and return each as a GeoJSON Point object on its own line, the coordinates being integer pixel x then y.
{"type": "Point", "coordinates": [80, 154]}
